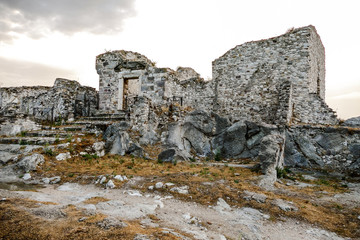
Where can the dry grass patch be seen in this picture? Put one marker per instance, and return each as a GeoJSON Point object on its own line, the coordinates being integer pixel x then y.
{"type": "Point", "coordinates": [16, 224]}
{"type": "Point", "coordinates": [96, 200]}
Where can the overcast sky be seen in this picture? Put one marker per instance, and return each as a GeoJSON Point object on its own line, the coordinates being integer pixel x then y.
{"type": "Point", "coordinates": [44, 39]}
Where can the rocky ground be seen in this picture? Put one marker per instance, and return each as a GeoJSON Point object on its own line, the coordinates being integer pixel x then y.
{"type": "Point", "coordinates": [64, 187]}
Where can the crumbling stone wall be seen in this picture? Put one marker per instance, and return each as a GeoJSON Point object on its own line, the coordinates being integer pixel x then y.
{"type": "Point", "coordinates": [66, 99]}
{"type": "Point", "coordinates": [248, 79]}
{"type": "Point", "coordinates": [11, 98]}
{"type": "Point", "coordinates": [120, 69]}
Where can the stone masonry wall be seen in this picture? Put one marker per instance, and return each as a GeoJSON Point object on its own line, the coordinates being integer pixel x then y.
{"type": "Point", "coordinates": [120, 69]}
{"type": "Point", "coordinates": [113, 67]}
{"type": "Point", "coordinates": [247, 79]}
{"type": "Point", "coordinates": [66, 99]}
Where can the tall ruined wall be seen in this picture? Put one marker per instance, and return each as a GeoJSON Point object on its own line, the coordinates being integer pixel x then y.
{"type": "Point", "coordinates": [66, 99]}
{"type": "Point", "coordinates": [113, 67]}
{"type": "Point", "coordinates": [248, 79]}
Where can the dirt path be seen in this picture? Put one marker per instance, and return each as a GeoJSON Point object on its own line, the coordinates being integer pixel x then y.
{"type": "Point", "coordinates": [180, 218]}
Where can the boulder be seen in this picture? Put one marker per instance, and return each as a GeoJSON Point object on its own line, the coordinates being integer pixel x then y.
{"type": "Point", "coordinates": [207, 123]}
{"type": "Point", "coordinates": [308, 150]}
{"type": "Point", "coordinates": [26, 176]}
{"type": "Point", "coordinates": [117, 141]}
{"type": "Point", "coordinates": [232, 141]}
{"type": "Point", "coordinates": [149, 138]}
{"type": "Point", "coordinates": [30, 163]}
{"type": "Point", "coordinates": [332, 142]}
{"type": "Point", "coordinates": [355, 150]}
{"type": "Point", "coordinates": [285, 205]}
{"type": "Point", "coordinates": [352, 122]}
{"type": "Point", "coordinates": [110, 184]}
{"type": "Point", "coordinates": [99, 148]}
{"type": "Point", "coordinates": [171, 155]}
{"type": "Point", "coordinates": [113, 129]}
{"type": "Point", "coordinates": [63, 156]}
{"type": "Point", "coordinates": [135, 150]}
{"type": "Point", "coordinates": [111, 222]}
{"type": "Point", "coordinates": [292, 158]}
{"type": "Point", "coordinates": [198, 140]}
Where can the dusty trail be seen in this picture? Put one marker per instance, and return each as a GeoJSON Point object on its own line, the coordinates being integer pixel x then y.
{"type": "Point", "coordinates": [200, 222]}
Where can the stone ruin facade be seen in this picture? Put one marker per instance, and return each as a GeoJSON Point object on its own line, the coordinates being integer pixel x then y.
{"type": "Point", "coordinates": [67, 99]}
{"type": "Point", "coordinates": [262, 92]}
{"type": "Point", "coordinates": [126, 76]}
{"type": "Point", "coordinates": [277, 81]}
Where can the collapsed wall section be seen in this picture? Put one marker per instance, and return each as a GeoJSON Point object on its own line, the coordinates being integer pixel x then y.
{"type": "Point", "coordinates": [66, 99]}
{"type": "Point", "coordinates": [125, 76]}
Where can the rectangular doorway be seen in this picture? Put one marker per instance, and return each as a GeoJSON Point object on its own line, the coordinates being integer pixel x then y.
{"type": "Point", "coordinates": [131, 88]}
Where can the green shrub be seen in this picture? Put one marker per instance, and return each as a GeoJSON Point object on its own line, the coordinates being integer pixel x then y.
{"type": "Point", "coordinates": [283, 173]}
{"type": "Point", "coordinates": [217, 156]}
{"type": "Point", "coordinates": [49, 152]}
{"type": "Point", "coordinates": [90, 156]}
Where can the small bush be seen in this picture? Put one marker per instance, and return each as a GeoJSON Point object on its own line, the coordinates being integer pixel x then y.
{"type": "Point", "coordinates": [49, 152]}
{"type": "Point", "coordinates": [23, 133]}
{"type": "Point", "coordinates": [283, 173]}
{"type": "Point", "coordinates": [217, 156]}
{"type": "Point", "coordinates": [90, 156]}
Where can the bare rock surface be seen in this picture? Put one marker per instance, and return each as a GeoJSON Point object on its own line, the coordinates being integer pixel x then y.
{"type": "Point", "coordinates": [226, 221]}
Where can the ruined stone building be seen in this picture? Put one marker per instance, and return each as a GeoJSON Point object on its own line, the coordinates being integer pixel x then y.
{"type": "Point", "coordinates": [67, 99]}
{"type": "Point", "coordinates": [277, 81]}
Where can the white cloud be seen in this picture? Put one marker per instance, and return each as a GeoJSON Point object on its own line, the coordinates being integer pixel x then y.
{"type": "Point", "coordinates": [37, 18]}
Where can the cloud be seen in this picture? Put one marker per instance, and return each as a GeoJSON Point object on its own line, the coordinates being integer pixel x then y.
{"type": "Point", "coordinates": [16, 73]}
{"type": "Point", "coordinates": [36, 18]}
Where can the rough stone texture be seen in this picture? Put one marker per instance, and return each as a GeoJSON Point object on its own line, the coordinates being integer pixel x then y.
{"type": "Point", "coordinates": [352, 122]}
{"type": "Point", "coordinates": [66, 99]}
{"type": "Point", "coordinates": [30, 163]}
{"type": "Point", "coordinates": [118, 143]}
{"type": "Point", "coordinates": [231, 142]}
{"type": "Point", "coordinates": [12, 127]}
{"type": "Point", "coordinates": [331, 148]}
{"type": "Point", "coordinates": [171, 155]}
{"type": "Point", "coordinates": [285, 205]}
{"type": "Point", "coordinates": [271, 157]}
{"type": "Point", "coordinates": [125, 75]}
{"type": "Point", "coordinates": [111, 222]}
{"type": "Point", "coordinates": [207, 134]}
{"type": "Point", "coordinates": [279, 80]}
{"type": "Point", "coordinates": [99, 148]}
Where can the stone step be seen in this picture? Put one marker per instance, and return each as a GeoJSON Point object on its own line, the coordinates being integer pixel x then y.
{"type": "Point", "coordinates": [30, 140]}
{"type": "Point", "coordinates": [91, 125]}
{"type": "Point", "coordinates": [104, 118]}
{"type": "Point", "coordinates": [74, 128]}
{"type": "Point", "coordinates": [49, 133]}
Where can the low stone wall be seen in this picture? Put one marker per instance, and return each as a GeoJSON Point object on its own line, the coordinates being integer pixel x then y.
{"type": "Point", "coordinates": [66, 99]}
